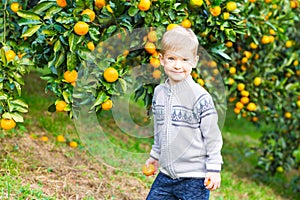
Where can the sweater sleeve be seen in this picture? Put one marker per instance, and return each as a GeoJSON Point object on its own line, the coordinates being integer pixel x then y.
{"type": "Point", "coordinates": [211, 133]}
{"type": "Point", "coordinates": [155, 151]}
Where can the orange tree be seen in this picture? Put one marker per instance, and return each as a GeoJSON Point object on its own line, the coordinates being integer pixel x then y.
{"type": "Point", "coordinates": [264, 77]}
{"type": "Point", "coordinates": [253, 44]}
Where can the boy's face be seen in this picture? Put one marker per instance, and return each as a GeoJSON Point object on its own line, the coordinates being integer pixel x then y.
{"type": "Point", "coordinates": [178, 64]}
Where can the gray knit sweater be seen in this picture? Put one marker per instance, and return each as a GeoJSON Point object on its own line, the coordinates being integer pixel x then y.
{"type": "Point", "coordinates": [187, 139]}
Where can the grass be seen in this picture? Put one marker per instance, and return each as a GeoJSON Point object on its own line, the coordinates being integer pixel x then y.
{"type": "Point", "coordinates": [240, 179]}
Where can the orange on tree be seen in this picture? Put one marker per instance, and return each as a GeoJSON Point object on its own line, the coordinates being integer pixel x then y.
{"type": "Point", "coordinates": [298, 103]}
{"type": "Point", "coordinates": [288, 115]}
{"type": "Point", "coordinates": [239, 105]}
{"type": "Point", "coordinates": [236, 110]}
{"type": "Point", "coordinates": [247, 54]}
{"type": "Point", "coordinates": [61, 3]}
{"type": "Point", "coordinates": [152, 37]}
{"type": "Point", "coordinates": [293, 4]}
{"type": "Point", "coordinates": [253, 45]}
{"type": "Point", "coordinates": [90, 13]}
{"type": "Point", "coordinates": [232, 70]}
{"type": "Point", "coordinates": [231, 6]}
{"type": "Point", "coordinates": [226, 15]}
{"type": "Point", "coordinates": [231, 81]}
{"type": "Point", "coordinates": [154, 62]}
{"type": "Point", "coordinates": [186, 23]}
{"type": "Point", "coordinates": [251, 106]}
{"type": "Point", "coordinates": [265, 39]}
{"type": "Point", "coordinates": [7, 124]}
{"type": "Point", "coordinates": [215, 11]}
{"type": "Point", "coordinates": [196, 3]}
{"type": "Point", "coordinates": [100, 3]}
{"type": "Point", "coordinates": [171, 26]}
{"type": "Point", "coordinates": [109, 9]}
{"type": "Point", "coordinates": [288, 43]}
{"type": "Point", "coordinates": [244, 100]}
{"type": "Point", "coordinates": [245, 93]}
{"type": "Point", "coordinates": [10, 55]}
{"type": "Point", "coordinates": [144, 5]}
{"type": "Point", "coordinates": [241, 86]}
{"type": "Point", "coordinates": [229, 44]}
{"type": "Point", "coordinates": [150, 47]}
{"type": "Point", "coordinates": [110, 74]}
{"type": "Point", "coordinates": [60, 138]}
{"type": "Point", "coordinates": [15, 6]}
{"type": "Point", "coordinates": [60, 106]}
{"type": "Point", "coordinates": [91, 46]}
{"type": "Point", "coordinates": [70, 76]}
{"type": "Point", "coordinates": [107, 105]}
{"type": "Point", "coordinates": [156, 74]}
{"type": "Point", "coordinates": [257, 81]}
{"type": "Point", "coordinates": [81, 28]}
{"type": "Point", "coordinates": [148, 170]}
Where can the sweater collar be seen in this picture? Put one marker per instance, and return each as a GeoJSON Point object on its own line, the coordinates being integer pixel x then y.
{"type": "Point", "coordinates": [182, 85]}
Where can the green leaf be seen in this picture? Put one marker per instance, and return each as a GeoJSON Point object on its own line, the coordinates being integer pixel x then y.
{"type": "Point", "coordinates": [100, 99]}
{"type": "Point", "coordinates": [57, 46]}
{"type": "Point", "coordinates": [3, 96]}
{"type": "Point", "coordinates": [3, 58]}
{"type": "Point", "coordinates": [71, 61]}
{"type": "Point", "coordinates": [31, 31]}
{"type": "Point", "coordinates": [7, 115]}
{"type": "Point", "coordinates": [111, 29]}
{"type": "Point", "coordinates": [28, 15]}
{"type": "Point", "coordinates": [41, 7]}
{"type": "Point", "coordinates": [60, 60]}
{"type": "Point", "coordinates": [17, 117]}
{"type": "Point", "coordinates": [52, 11]}
{"type": "Point", "coordinates": [27, 22]}
{"type": "Point", "coordinates": [66, 96]}
{"type": "Point", "coordinates": [72, 42]}
{"type": "Point", "coordinates": [19, 88]}
{"type": "Point", "coordinates": [133, 11]}
{"type": "Point", "coordinates": [123, 84]}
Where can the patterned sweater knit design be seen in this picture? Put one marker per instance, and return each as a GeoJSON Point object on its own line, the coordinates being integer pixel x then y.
{"type": "Point", "coordinates": [187, 139]}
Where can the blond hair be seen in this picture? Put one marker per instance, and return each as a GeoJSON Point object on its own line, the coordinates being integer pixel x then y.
{"type": "Point", "coordinates": [179, 38]}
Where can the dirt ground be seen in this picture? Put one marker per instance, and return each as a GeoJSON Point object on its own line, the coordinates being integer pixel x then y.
{"type": "Point", "coordinates": [65, 173]}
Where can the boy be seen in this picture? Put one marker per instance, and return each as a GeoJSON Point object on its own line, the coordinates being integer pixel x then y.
{"type": "Point", "coordinates": [187, 139]}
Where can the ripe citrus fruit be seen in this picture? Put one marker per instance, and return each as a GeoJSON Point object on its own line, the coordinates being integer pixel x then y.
{"type": "Point", "coordinates": [44, 138]}
{"type": "Point", "coordinates": [226, 15]}
{"type": "Point", "coordinates": [73, 144]}
{"type": "Point", "coordinates": [100, 3]}
{"type": "Point", "coordinates": [91, 46]}
{"type": "Point", "coordinates": [288, 43]}
{"type": "Point", "coordinates": [152, 37]}
{"type": "Point", "coordinates": [171, 26]}
{"type": "Point", "coordinates": [265, 39]}
{"type": "Point", "coordinates": [251, 106]}
{"type": "Point", "coordinates": [61, 3]}
{"type": "Point", "coordinates": [71, 76]}
{"type": "Point", "coordinates": [10, 55]}
{"type": "Point", "coordinates": [200, 81]}
{"type": "Point", "coordinates": [236, 110]}
{"type": "Point", "coordinates": [232, 70]}
{"type": "Point", "coordinates": [148, 171]}
{"type": "Point", "coordinates": [7, 124]}
{"type": "Point", "coordinates": [231, 6]}
{"type": "Point", "coordinates": [257, 81]}
{"type": "Point", "coordinates": [298, 103]}
{"type": "Point", "coordinates": [15, 6]}
{"type": "Point", "coordinates": [215, 11]}
{"type": "Point", "coordinates": [150, 47]}
{"type": "Point", "coordinates": [186, 23]}
{"type": "Point", "coordinates": [110, 74]}
{"type": "Point", "coordinates": [253, 45]}
{"type": "Point", "coordinates": [81, 28]}
{"type": "Point", "coordinates": [239, 105]}
{"type": "Point", "coordinates": [107, 105]}
{"type": "Point", "coordinates": [244, 100]}
{"type": "Point", "coordinates": [156, 74]}
{"type": "Point", "coordinates": [90, 13]}
{"type": "Point", "coordinates": [196, 3]}
{"type": "Point", "coordinates": [144, 5]}
{"type": "Point", "coordinates": [60, 106]}
{"type": "Point", "coordinates": [288, 115]}
{"type": "Point", "coordinates": [231, 81]}
{"type": "Point", "coordinates": [154, 62]}
{"type": "Point", "coordinates": [60, 138]}
{"type": "Point", "coordinates": [241, 86]}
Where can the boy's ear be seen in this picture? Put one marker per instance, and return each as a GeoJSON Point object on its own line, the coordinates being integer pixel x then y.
{"type": "Point", "coordinates": [196, 61]}
{"type": "Point", "coordinates": [161, 59]}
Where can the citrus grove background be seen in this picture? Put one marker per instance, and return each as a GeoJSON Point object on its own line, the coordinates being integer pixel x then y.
{"type": "Point", "coordinates": [253, 44]}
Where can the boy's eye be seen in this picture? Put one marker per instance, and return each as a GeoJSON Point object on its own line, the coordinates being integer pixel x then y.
{"type": "Point", "coordinates": [170, 58]}
{"type": "Point", "coordinates": [185, 59]}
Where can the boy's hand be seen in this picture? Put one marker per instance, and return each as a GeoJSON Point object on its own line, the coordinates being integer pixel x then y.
{"type": "Point", "coordinates": [212, 180]}
{"type": "Point", "coordinates": [153, 162]}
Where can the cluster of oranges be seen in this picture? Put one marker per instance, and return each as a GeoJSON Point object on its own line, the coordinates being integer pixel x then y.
{"type": "Point", "coordinates": [59, 139]}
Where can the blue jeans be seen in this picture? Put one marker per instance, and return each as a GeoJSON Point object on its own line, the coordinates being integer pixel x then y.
{"type": "Point", "coordinates": [166, 188]}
